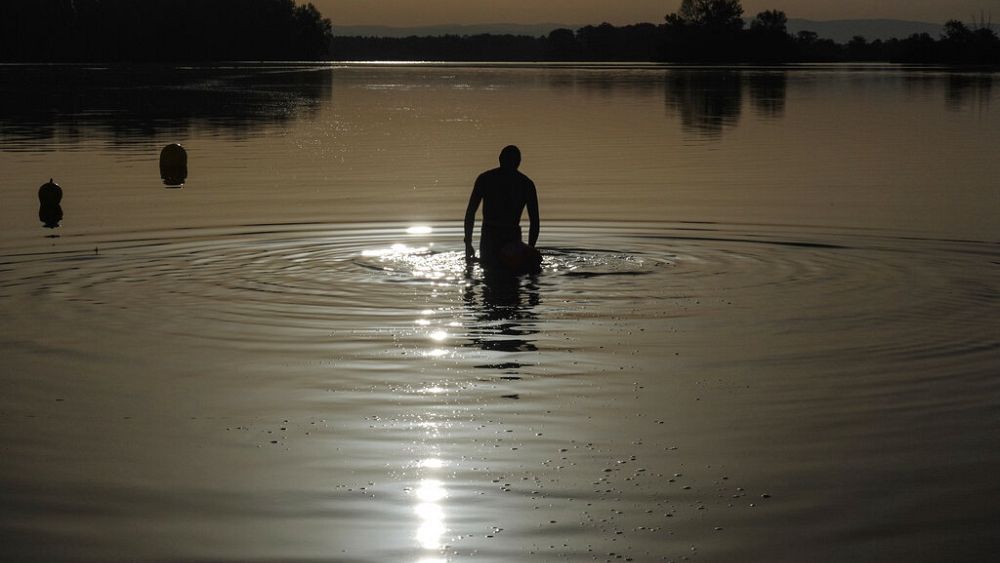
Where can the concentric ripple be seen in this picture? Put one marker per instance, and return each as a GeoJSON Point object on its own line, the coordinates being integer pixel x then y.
{"type": "Point", "coordinates": [293, 285]}
{"type": "Point", "coordinates": [763, 351]}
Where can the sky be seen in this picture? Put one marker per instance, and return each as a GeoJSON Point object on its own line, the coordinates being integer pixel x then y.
{"type": "Point", "coordinates": [429, 12]}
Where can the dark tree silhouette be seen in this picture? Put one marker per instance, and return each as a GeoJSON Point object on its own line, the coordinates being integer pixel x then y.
{"type": "Point", "coordinates": [482, 47]}
{"type": "Point", "coordinates": [240, 30]}
{"type": "Point", "coordinates": [605, 42]}
{"type": "Point", "coordinates": [161, 30]}
{"type": "Point", "coordinates": [769, 39]}
{"type": "Point", "coordinates": [562, 45]}
{"type": "Point", "coordinates": [712, 31]}
{"type": "Point", "coordinates": [704, 30]}
{"type": "Point", "coordinates": [717, 16]}
{"type": "Point", "coordinates": [770, 21]}
{"type": "Point", "coordinates": [962, 43]}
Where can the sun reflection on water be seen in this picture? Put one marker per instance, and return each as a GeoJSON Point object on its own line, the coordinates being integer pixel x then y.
{"type": "Point", "coordinates": [398, 250]}
{"type": "Point", "coordinates": [430, 512]}
{"type": "Point", "coordinates": [431, 463]}
{"type": "Point", "coordinates": [431, 491]}
{"type": "Point", "coordinates": [420, 259]}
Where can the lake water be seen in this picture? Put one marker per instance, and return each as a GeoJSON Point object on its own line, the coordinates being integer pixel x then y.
{"type": "Point", "coordinates": [766, 329]}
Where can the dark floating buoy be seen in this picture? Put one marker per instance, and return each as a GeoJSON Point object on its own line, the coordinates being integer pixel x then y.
{"type": "Point", "coordinates": [49, 211]}
{"type": "Point", "coordinates": [173, 165]}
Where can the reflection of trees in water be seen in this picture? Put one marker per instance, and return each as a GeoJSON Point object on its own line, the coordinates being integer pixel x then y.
{"type": "Point", "coordinates": [768, 91]}
{"type": "Point", "coordinates": [503, 309]}
{"type": "Point", "coordinates": [128, 103]}
{"type": "Point", "coordinates": [606, 81]}
{"type": "Point", "coordinates": [965, 89]}
{"type": "Point", "coordinates": [709, 101]}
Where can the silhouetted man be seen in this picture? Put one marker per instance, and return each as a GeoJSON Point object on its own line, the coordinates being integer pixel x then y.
{"type": "Point", "coordinates": [504, 192]}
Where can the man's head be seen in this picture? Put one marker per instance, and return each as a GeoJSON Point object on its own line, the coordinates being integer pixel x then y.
{"type": "Point", "coordinates": [510, 157]}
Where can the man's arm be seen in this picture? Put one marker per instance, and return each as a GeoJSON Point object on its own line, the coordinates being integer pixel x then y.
{"type": "Point", "coordinates": [470, 218]}
{"type": "Point", "coordinates": [533, 215]}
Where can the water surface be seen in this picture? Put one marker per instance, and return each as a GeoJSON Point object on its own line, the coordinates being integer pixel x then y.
{"type": "Point", "coordinates": [765, 329]}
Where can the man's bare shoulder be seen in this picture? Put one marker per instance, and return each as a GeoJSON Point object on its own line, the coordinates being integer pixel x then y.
{"type": "Point", "coordinates": [525, 180]}
{"type": "Point", "coordinates": [492, 172]}
{"type": "Point", "coordinates": [490, 177]}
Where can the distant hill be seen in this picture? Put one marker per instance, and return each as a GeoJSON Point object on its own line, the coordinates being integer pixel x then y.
{"type": "Point", "coordinates": [840, 31]}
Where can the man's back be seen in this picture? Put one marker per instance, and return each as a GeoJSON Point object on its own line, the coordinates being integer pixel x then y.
{"type": "Point", "coordinates": [505, 193]}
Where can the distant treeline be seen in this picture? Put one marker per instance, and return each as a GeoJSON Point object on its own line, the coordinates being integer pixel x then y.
{"type": "Point", "coordinates": [640, 42]}
{"type": "Point", "coordinates": [161, 30]}
{"type": "Point", "coordinates": [715, 31]}
{"type": "Point", "coordinates": [710, 31]}
{"type": "Point", "coordinates": [959, 44]}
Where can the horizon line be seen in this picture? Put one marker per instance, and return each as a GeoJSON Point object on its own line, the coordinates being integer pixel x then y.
{"type": "Point", "coordinates": [453, 24]}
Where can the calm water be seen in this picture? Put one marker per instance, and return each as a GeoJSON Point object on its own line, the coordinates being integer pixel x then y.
{"type": "Point", "coordinates": [766, 329]}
